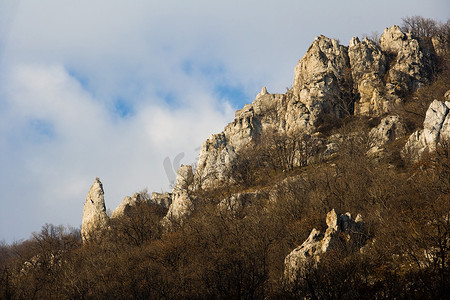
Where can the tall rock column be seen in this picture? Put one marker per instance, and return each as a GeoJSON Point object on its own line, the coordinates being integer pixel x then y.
{"type": "Point", "coordinates": [94, 212]}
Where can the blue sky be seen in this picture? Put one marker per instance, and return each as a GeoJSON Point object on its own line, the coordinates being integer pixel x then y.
{"type": "Point", "coordinates": [113, 88]}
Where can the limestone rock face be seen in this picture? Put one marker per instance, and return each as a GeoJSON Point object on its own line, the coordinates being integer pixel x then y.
{"type": "Point", "coordinates": [368, 65]}
{"type": "Point", "coordinates": [342, 229]}
{"type": "Point", "coordinates": [181, 206]}
{"type": "Point", "coordinates": [410, 65]}
{"type": "Point", "coordinates": [94, 211]}
{"type": "Point", "coordinates": [389, 130]}
{"type": "Point", "coordinates": [320, 77]}
{"type": "Point", "coordinates": [436, 128]}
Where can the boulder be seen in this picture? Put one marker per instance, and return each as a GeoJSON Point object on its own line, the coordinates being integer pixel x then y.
{"type": "Point", "coordinates": [94, 211]}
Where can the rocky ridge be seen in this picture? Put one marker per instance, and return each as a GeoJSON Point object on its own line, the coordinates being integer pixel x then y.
{"type": "Point", "coordinates": [331, 80]}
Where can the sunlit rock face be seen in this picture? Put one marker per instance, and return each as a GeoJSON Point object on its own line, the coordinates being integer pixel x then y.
{"type": "Point", "coordinates": [383, 73]}
{"type": "Point", "coordinates": [94, 211]}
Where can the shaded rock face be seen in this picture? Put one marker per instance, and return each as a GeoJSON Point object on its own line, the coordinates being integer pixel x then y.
{"type": "Point", "coordinates": [389, 130]}
{"type": "Point", "coordinates": [342, 229]}
{"type": "Point", "coordinates": [436, 129]}
{"type": "Point", "coordinates": [94, 211]}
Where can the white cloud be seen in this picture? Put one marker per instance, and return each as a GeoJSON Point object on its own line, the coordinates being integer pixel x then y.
{"type": "Point", "coordinates": [111, 88]}
{"type": "Point", "coordinates": [87, 142]}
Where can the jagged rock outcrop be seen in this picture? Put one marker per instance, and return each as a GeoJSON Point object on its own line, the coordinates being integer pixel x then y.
{"type": "Point", "coordinates": [389, 130]}
{"type": "Point", "coordinates": [368, 64]}
{"type": "Point", "coordinates": [342, 230]}
{"type": "Point", "coordinates": [328, 80]}
{"type": "Point", "coordinates": [381, 74]}
{"type": "Point", "coordinates": [436, 128]}
{"type": "Point", "coordinates": [411, 65]}
{"type": "Point", "coordinates": [321, 77]}
{"type": "Point", "coordinates": [320, 87]}
{"type": "Point", "coordinates": [94, 211]}
{"type": "Point", "coordinates": [127, 203]}
{"type": "Point", "coordinates": [440, 44]}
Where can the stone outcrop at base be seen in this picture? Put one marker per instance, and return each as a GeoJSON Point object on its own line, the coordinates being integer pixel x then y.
{"type": "Point", "coordinates": [342, 229]}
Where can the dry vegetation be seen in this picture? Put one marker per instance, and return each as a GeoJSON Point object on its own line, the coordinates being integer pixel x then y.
{"type": "Point", "coordinates": [239, 255]}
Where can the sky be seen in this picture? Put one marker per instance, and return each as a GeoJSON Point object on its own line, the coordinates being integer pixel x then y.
{"type": "Point", "coordinates": [128, 90]}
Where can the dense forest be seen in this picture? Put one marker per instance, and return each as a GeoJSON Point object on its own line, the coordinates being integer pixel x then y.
{"type": "Point", "coordinates": [239, 253]}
